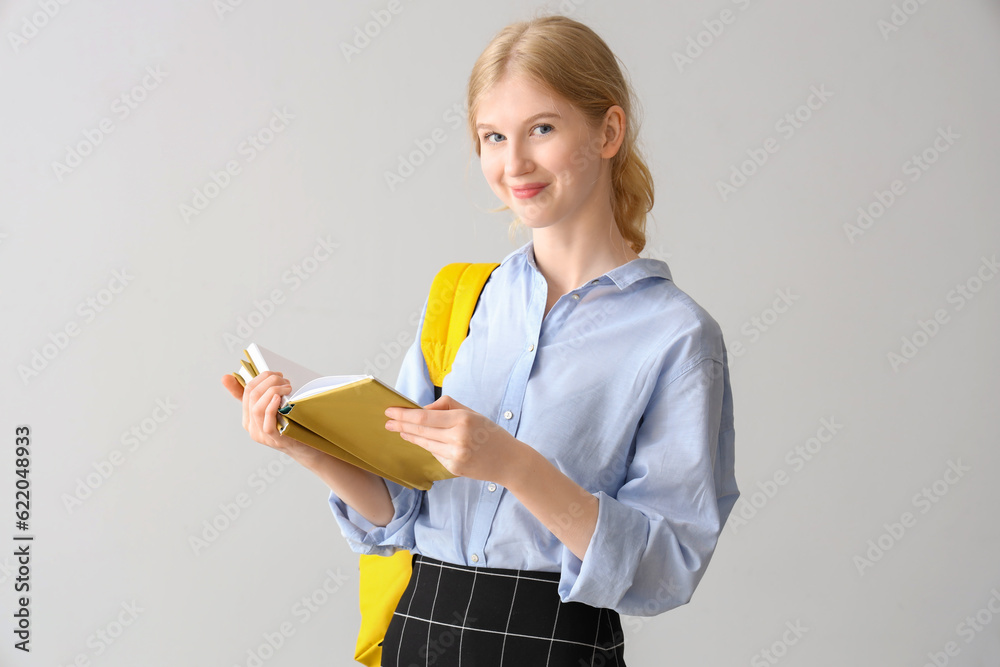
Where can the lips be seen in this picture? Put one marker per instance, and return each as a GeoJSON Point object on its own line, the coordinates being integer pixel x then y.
{"type": "Point", "coordinates": [528, 190]}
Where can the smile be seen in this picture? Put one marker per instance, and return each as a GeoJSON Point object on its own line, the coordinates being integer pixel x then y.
{"type": "Point", "coordinates": [529, 191]}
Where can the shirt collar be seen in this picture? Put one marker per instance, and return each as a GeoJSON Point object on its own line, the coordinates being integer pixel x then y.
{"type": "Point", "coordinates": [622, 276]}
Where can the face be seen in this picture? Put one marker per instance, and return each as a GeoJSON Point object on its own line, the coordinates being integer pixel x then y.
{"type": "Point", "coordinates": [540, 155]}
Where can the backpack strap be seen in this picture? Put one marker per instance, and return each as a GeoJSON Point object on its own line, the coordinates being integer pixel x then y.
{"type": "Point", "coordinates": [452, 300]}
{"type": "Point", "coordinates": [450, 304]}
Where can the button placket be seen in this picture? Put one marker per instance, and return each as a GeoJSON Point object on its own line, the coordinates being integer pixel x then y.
{"type": "Point", "coordinates": [509, 409]}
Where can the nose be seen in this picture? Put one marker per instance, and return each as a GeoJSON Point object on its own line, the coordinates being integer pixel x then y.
{"type": "Point", "coordinates": [518, 158]}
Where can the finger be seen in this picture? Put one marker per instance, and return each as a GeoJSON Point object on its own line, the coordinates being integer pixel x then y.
{"type": "Point", "coordinates": [248, 398]}
{"type": "Point", "coordinates": [440, 403]}
{"type": "Point", "coordinates": [434, 418]}
{"type": "Point", "coordinates": [257, 402]}
{"type": "Point", "coordinates": [233, 386]}
{"type": "Point", "coordinates": [444, 402]}
{"type": "Point", "coordinates": [412, 429]}
{"type": "Point", "coordinates": [430, 445]}
{"type": "Point", "coordinates": [262, 403]}
{"type": "Point", "coordinates": [258, 385]}
{"type": "Point", "coordinates": [270, 425]}
{"type": "Point", "coordinates": [265, 379]}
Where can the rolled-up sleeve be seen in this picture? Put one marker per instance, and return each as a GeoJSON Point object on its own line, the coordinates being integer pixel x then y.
{"type": "Point", "coordinates": [367, 538]}
{"type": "Point", "coordinates": [363, 536]}
{"type": "Point", "coordinates": [654, 538]}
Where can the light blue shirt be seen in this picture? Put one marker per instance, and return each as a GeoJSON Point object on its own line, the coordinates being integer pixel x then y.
{"type": "Point", "coordinates": [624, 386]}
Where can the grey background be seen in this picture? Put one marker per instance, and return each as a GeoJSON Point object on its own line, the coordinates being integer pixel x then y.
{"type": "Point", "coordinates": [792, 561]}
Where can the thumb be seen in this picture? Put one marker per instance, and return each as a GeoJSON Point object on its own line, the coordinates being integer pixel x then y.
{"type": "Point", "coordinates": [233, 386]}
{"type": "Point", "coordinates": [446, 402]}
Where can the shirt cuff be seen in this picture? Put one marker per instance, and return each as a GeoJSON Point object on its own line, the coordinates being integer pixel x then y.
{"type": "Point", "coordinates": [366, 538]}
{"type": "Point", "coordinates": [612, 558]}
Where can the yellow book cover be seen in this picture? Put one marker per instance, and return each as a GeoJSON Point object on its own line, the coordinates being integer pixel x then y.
{"type": "Point", "coordinates": [344, 416]}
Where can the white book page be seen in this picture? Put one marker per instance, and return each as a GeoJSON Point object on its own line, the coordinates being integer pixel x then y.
{"type": "Point", "coordinates": [266, 360]}
{"type": "Point", "coordinates": [304, 381]}
{"type": "Point", "coordinates": [319, 385]}
{"type": "Point", "coordinates": [245, 374]}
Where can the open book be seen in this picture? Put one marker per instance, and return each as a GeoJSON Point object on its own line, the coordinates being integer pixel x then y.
{"type": "Point", "coordinates": [344, 416]}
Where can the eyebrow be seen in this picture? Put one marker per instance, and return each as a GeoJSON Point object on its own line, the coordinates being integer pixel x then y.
{"type": "Point", "coordinates": [544, 114]}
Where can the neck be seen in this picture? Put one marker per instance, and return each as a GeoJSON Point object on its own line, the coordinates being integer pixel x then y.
{"type": "Point", "coordinates": [568, 258]}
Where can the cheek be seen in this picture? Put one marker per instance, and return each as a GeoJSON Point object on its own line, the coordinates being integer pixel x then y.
{"type": "Point", "coordinates": [492, 168]}
{"type": "Point", "coordinates": [586, 157]}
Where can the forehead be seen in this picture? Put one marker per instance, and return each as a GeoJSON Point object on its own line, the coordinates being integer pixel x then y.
{"type": "Point", "coordinates": [515, 98]}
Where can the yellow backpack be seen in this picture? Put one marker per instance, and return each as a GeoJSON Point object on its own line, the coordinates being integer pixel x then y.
{"type": "Point", "coordinates": [452, 300]}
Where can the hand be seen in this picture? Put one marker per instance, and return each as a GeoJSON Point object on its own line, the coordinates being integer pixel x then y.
{"type": "Point", "coordinates": [466, 443]}
{"type": "Point", "coordinates": [261, 399]}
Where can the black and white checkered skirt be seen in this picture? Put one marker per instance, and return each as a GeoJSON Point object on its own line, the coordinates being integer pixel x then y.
{"type": "Point", "coordinates": [478, 617]}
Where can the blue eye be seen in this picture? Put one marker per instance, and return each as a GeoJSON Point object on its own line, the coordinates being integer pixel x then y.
{"type": "Point", "coordinates": [486, 137]}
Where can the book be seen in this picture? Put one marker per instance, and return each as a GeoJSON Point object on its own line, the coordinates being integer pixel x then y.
{"type": "Point", "coordinates": [344, 416]}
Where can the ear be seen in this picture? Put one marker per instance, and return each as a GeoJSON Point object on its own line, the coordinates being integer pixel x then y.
{"type": "Point", "coordinates": [613, 130]}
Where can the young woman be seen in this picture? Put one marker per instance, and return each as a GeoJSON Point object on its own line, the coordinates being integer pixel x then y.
{"type": "Point", "coordinates": [588, 414]}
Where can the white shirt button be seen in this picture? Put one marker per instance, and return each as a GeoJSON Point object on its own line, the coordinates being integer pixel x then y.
{"type": "Point", "coordinates": [475, 558]}
{"type": "Point", "coordinates": [594, 282]}
{"type": "Point", "coordinates": [576, 297]}
{"type": "Point", "coordinates": [492, 487]}
{"type": "Point", "coordinates": [531, 346]}
{"type": "Point", "coordinates": [508, 415]}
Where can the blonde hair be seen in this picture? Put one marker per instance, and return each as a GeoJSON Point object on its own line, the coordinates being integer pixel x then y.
{"type": "Point", "coordinates": [573, 62]}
